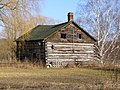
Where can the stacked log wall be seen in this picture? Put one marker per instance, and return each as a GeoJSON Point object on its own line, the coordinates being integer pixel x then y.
{"type": "Point", "coordinates": [69, 52]}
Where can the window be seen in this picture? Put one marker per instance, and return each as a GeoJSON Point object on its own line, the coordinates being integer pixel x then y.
{"type": "Point", "coordinates": [63, 35]}
{"type": "Point", "coordinates": [79, 36]}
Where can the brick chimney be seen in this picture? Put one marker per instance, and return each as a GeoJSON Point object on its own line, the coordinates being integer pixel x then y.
{"type": "Point", "coordinates": [70, 16]}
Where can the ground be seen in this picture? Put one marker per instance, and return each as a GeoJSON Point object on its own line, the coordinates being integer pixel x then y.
{"type": "Point", "coordinates": [12, 78]}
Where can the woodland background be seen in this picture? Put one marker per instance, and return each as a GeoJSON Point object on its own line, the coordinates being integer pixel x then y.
{"type": "Point", "coordinates": [101, 18]}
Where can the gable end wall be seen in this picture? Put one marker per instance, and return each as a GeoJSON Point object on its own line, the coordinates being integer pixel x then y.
{"type": "Point", "coordinates": [63, 51]}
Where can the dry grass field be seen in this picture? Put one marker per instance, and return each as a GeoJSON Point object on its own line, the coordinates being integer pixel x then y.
{"type": "Point", "coordinates": [12, 78]}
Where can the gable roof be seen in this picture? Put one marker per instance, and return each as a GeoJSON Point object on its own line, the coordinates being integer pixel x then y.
{"type": "Point", "coordinates": [41, 32]}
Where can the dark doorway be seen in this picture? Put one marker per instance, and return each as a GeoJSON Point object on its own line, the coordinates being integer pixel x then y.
{"type": "Point", "coordinates": [34, 56]}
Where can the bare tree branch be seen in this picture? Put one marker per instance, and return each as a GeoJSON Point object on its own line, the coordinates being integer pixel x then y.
{"type": "Point", "coordinates": [101, 18]}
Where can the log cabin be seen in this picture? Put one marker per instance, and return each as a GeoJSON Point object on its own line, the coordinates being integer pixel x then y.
{"type": "Point", "coordinates": [58, 45]}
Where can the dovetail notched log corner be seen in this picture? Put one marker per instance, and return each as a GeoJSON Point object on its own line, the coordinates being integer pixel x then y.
{"type": "Point", "coordinates": [57, 44]}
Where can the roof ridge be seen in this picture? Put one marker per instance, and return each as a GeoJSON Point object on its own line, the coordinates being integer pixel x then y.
{"type": "Point", "coordinates": [45, 25]}
{"type": "Point", "coordinates": [61, 23]}
{"type": "Point", "coordinates": [51, 24]}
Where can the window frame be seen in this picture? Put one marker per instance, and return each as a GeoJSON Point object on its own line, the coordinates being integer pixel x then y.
{"type": "Point", "coordinates": [63, 35]}
{"type": "Point", "coordinates": [79, 36]}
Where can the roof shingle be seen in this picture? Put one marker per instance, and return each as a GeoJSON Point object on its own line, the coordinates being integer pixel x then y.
{"type": "Point", "coordinates": [41, 32]}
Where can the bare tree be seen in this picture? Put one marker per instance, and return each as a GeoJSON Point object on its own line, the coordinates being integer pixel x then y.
{"type": "Point", "coordinates": [6, 5]}
{"type": "Point", "coordinates": [16, 21]}
{"type": "Point", "coordinates": [25, 16]}
{"type": "Point", "coordinates": [102, 19]}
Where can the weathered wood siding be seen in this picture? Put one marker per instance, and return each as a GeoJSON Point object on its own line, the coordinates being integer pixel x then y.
{"type": "Point", "coordinates": [32, 50]}
{"type": "Point", "coordinates": [71, 35]}
{"type": "Point", "coordinates": [68, 52]}
{"type": "Point", "coordinates": [61, 51]}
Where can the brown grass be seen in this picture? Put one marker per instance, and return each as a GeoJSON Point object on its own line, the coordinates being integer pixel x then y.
{"type": "Point", "coordinates": [34, 78]}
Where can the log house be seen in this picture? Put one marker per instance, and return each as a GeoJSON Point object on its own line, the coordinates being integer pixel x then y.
{"type": "Point", "coordinates": [57, 44]}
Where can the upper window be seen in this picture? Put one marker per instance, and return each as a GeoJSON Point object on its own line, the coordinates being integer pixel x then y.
{"type": "Point", "coordinates": [63, 35]}
{"type": "Point", "coordinates": [79, 36]}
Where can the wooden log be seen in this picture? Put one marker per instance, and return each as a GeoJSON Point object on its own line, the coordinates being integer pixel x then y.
{"type": "Point", "coordinates": [69, 52]}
